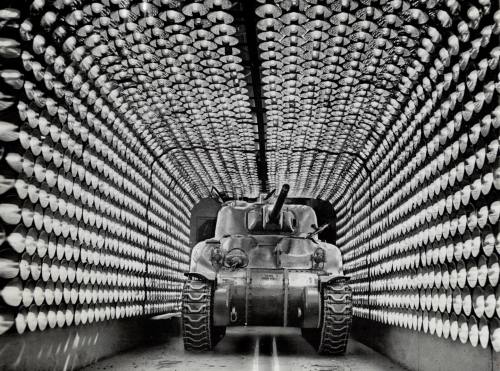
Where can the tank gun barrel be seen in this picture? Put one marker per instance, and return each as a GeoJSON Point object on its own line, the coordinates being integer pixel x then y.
{"type": "Point", "coordinates": [274, 215]}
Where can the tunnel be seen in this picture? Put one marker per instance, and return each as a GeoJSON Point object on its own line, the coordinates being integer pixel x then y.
{"type": "Point", "coordinates": [249, 185]}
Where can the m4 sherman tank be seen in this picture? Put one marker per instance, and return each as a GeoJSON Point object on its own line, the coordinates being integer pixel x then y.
{"type": "Point", "coordinates": [266, 267]}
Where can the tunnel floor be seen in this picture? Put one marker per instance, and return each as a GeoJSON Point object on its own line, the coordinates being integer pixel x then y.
{"type": "Point", "coordinates": [255, 349]}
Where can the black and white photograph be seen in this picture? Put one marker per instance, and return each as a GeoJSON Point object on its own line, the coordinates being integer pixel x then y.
{"type": "Point", "coordinates": [249, 185]}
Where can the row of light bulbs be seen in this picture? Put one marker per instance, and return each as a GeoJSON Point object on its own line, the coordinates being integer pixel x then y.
{"type": "Point", "coordinates": [481, 302]}
{"type": "Point", "coordinates": [50, 317]}
{"type": "Point", "coordinates": [461, 247]}
{"type": "Point", "coordinates": [463, 274]}
{"type": "Point", "coordinates": [46, 269]}
{"type": "Point", "coordinates": [17, 292]}
{"type": "Point", "coordinates": [466, 330]}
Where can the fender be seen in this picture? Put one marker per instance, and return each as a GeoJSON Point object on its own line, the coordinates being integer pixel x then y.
{"type": "Point", "coordinates": [333, 264]}
{"type": "Point", "coordinates": [198, 276]}
{"type": "Point", "coordinates": [323, 279]}
{"type": "Point", "coordinates": [201, 264]}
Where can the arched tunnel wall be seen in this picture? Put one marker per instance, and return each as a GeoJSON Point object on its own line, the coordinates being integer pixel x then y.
{"type": "Point", "coordinates": [419, 230]}
{"type": "Point", "coordinates": [94, 229]}
{"type": "Point", "coordinates": [95, 224]}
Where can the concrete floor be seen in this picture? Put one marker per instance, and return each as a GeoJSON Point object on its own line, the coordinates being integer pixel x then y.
{"type": "Point", "coordinates": [253, 349]}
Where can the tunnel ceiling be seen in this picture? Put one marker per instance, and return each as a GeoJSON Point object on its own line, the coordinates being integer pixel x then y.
{"type": "Point", "coordinates": [249, 95]}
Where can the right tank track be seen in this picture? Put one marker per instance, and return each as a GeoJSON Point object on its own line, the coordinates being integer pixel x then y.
{"type": "Point", "coordinates": [332, 336]}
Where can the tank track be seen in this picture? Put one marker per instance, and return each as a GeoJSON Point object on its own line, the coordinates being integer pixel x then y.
{"type": "Point", "coordinates": [337, 318]}
{"type": "Point", "coordinates": [331, 338]}
{"type": "Point", "coordinates": [198, 331]}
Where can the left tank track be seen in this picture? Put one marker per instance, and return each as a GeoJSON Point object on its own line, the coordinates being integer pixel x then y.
{"type": "Point", "coordinates": [198, 331]}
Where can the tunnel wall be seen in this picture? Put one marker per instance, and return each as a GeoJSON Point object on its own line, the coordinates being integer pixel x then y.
{"type": "Point", "coordinates": [74, 347]}
{"type": "Point", "coordinates": [421, 351]}
{"type": "Point", "coordinates": [419, 227]}
{"type": "Point", "coordinates": [94, 226]}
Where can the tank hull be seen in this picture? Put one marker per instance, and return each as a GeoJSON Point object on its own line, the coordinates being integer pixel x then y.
{"type": "Point", "coordinates": [267, 297]}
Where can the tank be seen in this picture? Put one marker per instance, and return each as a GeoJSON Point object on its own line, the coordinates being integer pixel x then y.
{"type": "Point", "coordinates": [265, 266]}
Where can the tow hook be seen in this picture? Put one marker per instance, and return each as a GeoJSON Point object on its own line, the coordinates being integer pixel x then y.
{"type": "Point", "coordinates": [234, 315]}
